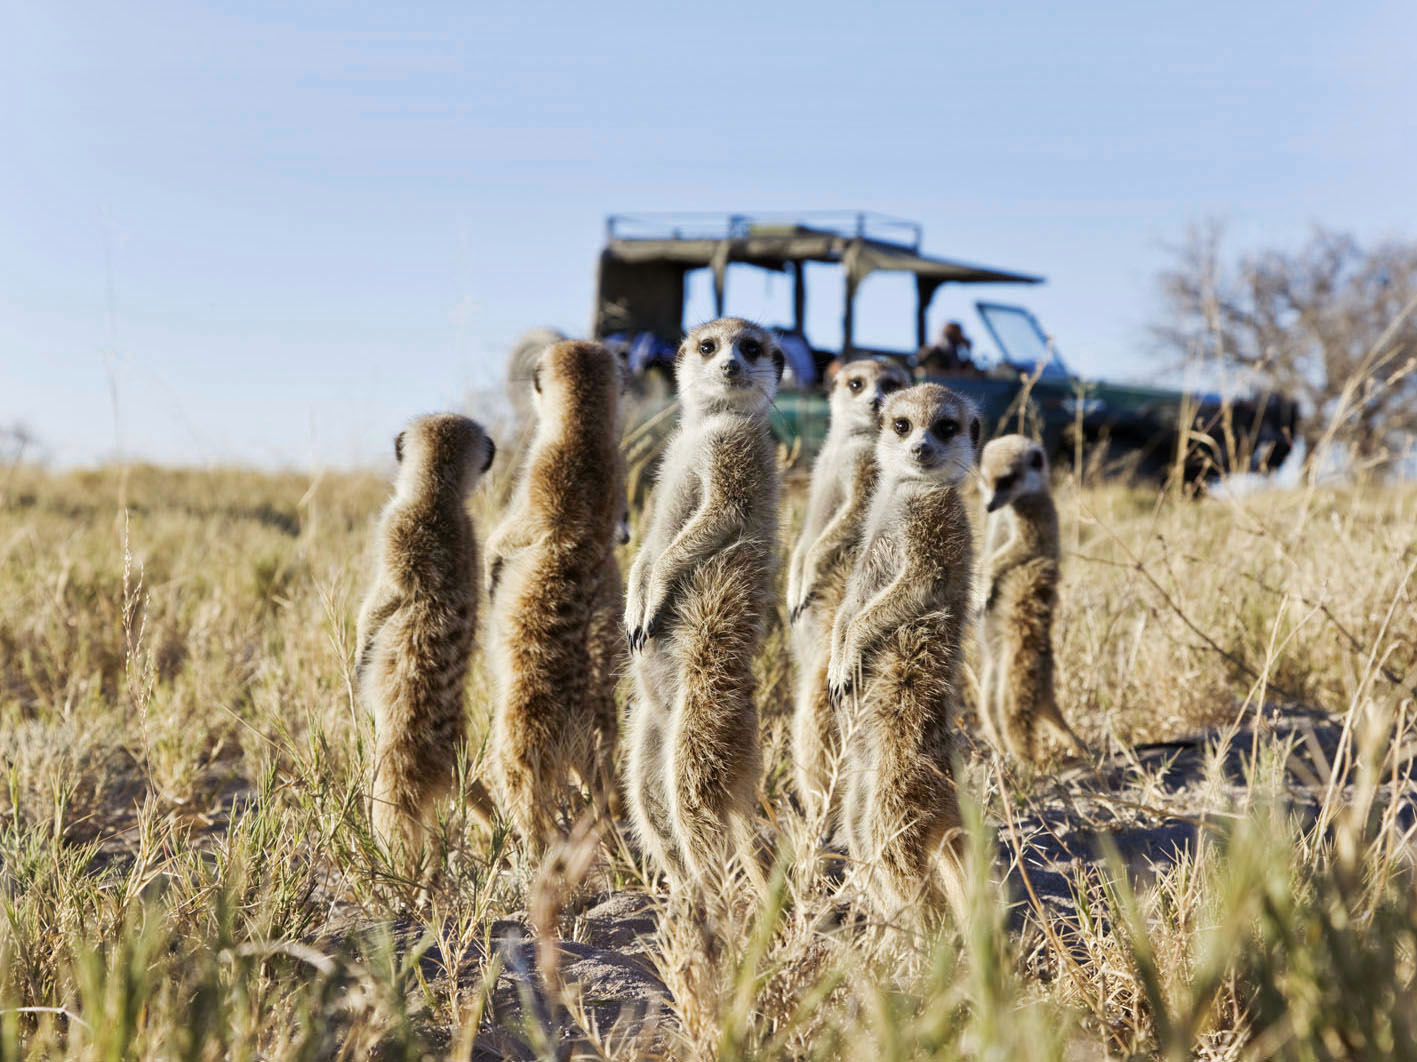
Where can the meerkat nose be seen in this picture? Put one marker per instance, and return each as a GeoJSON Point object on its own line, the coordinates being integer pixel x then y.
{"type": "Point", "coordinates": [732, 369]}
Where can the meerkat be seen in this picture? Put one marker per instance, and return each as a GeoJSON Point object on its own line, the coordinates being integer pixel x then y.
{"type": "Point", "coordinates": [897, 647]}
{"type": "Point", "coordinates": [554, 590]}
{"type": "Point", "coordinates": [1020, 588]}
{"type": "Point", "coordinates": [418, 624]}
{"type": "Point", "coordinates": [698, 591]}
{"type": "Point", "coordinates": [843, 479]}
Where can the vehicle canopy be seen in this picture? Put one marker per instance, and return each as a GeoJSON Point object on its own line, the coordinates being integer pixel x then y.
{"type": "Point", "coordinates": [640, 286]}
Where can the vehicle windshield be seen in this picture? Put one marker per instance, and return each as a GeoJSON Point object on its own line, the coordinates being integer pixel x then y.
{"type": "Point", "coordinates": [1022, 342]}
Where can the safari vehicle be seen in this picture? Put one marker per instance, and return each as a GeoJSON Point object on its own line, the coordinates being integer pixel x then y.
{"type": "Point", "coordinates": [640, 303]}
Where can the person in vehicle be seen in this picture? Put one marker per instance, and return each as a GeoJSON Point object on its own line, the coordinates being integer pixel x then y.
{"type": "Point", "coordinates": [950, 354]}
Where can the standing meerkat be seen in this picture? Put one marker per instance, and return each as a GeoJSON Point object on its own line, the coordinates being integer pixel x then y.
{"type": "Point", "coordinates": [554, 588]}
{"type": "Point", "coordinates": [843, 480]}
{"type": "Point", "coordinates": [897, 647]}
{"type": "Point", "coordinates": [1020, 594]}
{"type": "Point", "coordinates": [698, 592]}
{"type": "Point", "coordinates": [418, 623]}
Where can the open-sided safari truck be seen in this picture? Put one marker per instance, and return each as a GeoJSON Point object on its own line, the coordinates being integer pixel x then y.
{"type": "Point", "coordinates": [640, 304]}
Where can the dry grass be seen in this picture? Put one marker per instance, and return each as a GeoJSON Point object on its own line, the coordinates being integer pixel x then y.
{"type": "Point", "coordinates": [187, 870]}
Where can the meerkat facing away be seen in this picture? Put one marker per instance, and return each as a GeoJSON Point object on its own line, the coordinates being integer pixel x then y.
{"type": "Point", "coordinates": [897, 647]}
{"type": "Point", "coordinates": [418, 623]}
{"type": "Point", "coordinates": [553, 584]}
{"type": "Point", "coordinates": [698, 591]}
{"type": "Point", "coordinates": [1021, 592]}
{"type": "Point", "coordinates": [843, 479]}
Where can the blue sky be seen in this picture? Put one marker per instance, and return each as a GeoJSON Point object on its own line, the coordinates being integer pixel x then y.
{"type": "Point", "coordinates": [276, 231]}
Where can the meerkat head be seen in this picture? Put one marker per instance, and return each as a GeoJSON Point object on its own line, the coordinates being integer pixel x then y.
{"type": "Point", "coordinates": [444, 451]}
{"type": "Point", "coordinates": [927, 432]}
{"type": "Point", "coordinates": [860, 389]}
{"type": "Point", "coordinates": [728, 364]}
{"type": "Point", "coordinates": [1013, 466]}
{"type": "Point", "coordinates": [576, 379]}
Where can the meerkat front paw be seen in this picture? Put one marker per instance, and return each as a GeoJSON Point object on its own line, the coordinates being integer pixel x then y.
{"type": "Point", "coordinates": [800, 605]}
{"type": "Point", "coordinates": [841, 676]}
{"type": "Point", "coordinates": [652, 621]}
{"type": "Point", "coordinates": [634, 624]}
{"type": "Point", "coordinates": [641, 623]}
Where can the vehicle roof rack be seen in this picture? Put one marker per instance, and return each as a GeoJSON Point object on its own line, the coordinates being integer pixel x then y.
{"type": "Point", "coordinates": [713, 225]}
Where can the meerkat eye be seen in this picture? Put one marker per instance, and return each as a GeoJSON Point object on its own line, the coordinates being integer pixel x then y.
{"type": "Point", "coordinates": [1005, 482]}
{"type": "Point", "coordinates": [890, 387]}
{"type": "Point", "coordinates": [945, 428]}
{"type": "Point", "coordinates": [902, 426]}
{"type": "Point", "coordinates": [1036, 459]}
{"type": "Point", "coordinates": [707, 346]}
{"type": "Point", "coordinates": [751, 348]}
{"type": "Point", "coordinates": [855, 384]}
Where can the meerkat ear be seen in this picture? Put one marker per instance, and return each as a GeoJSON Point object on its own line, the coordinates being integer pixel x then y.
{"type": "Point", "coordinates": [975, 431]}
{"type": "Point", "coordinates": [1036, 459]}
{"type": "Point", "coordinates": [398, 447]}
{"type": "Point", "coordinates": [779, 361]}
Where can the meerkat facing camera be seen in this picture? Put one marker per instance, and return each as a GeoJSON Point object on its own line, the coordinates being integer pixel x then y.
{"type": "Point", "coordinates": [1021, 593]}
{"type": "Point", "coordinates": [697, 595]}
{"type": "Point", "coordinates": [418, 623]}
{"type": "Point", "coordinates": [843, 480]}
{"type": "Point", "coordinates": [553, 584]}
{"type": "Point", "coordinates": [897, 647]}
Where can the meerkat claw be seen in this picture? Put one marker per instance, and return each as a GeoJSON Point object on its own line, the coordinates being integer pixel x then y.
{"type": "Point", "coordinates": [801, 606]}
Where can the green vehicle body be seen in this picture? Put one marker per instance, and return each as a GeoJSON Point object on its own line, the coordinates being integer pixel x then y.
{"type": "Point", "coordinates": [639, 309]}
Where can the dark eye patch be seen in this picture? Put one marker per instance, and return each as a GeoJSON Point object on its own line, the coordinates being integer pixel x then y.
{"type": "Point", "coordinates": [707, 346]}
{"type": "Point", "coordinates": [751, 348]}
{"type": "Point", "coordinates": [902, 426]}
{"type": "Point", "coordinates": [889, 386]}
{"type": "Point", "coordinates": [1005, 482]}
{"type": "Point", "coordinates": [945, 428]}
{"type": "Point", "coordinates": [1036, 459]}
